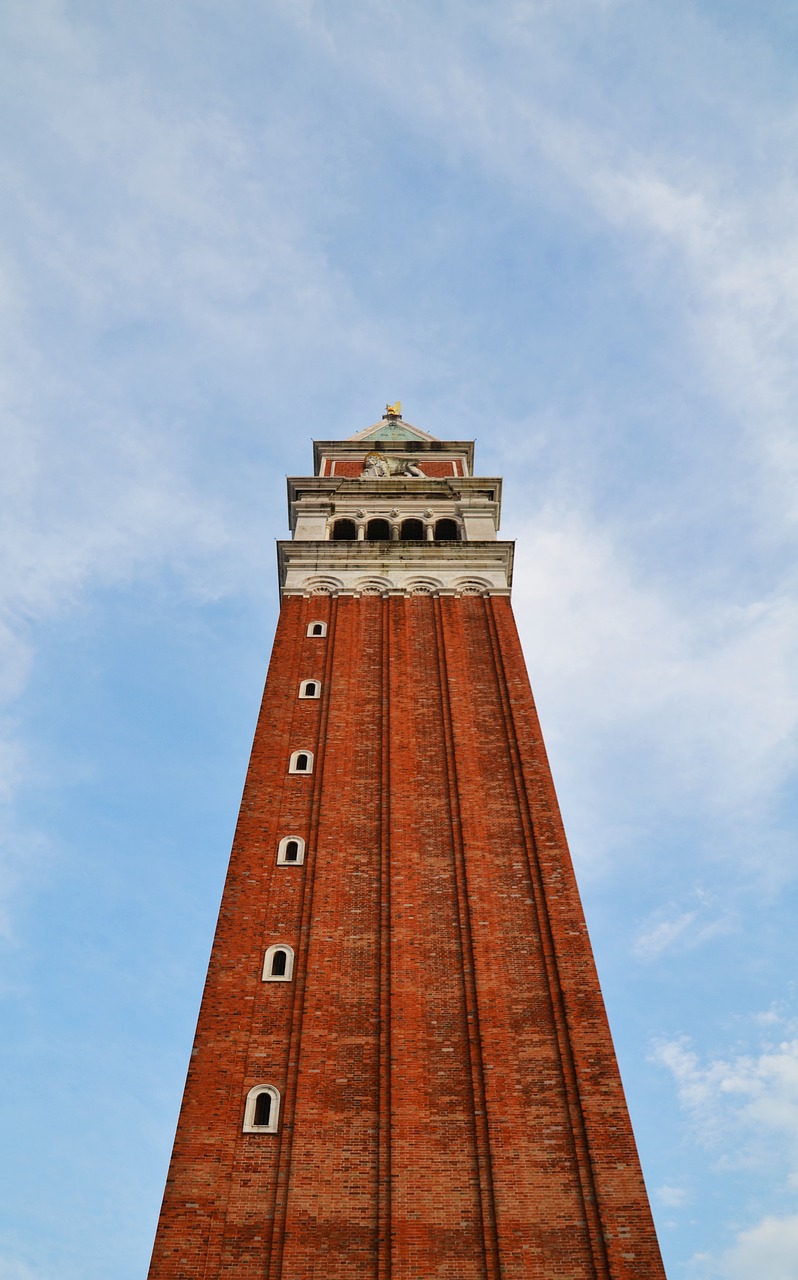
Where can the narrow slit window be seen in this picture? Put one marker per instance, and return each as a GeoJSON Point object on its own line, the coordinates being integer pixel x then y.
{"type": "Point", "coordinates": [291, 851]}
{"type": "Point", "coordinates": [310, 689]}
{"type": "Point", "coordinates": [262, 1109]}
{"type": "Point", "coordinates": [301, 762]}
{"type": "Point", "coordinates": [317, 628]}
{"type": "Point", "coordinates": [278, 963]}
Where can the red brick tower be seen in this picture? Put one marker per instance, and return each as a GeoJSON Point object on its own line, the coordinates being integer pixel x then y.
{"type": "Point", "coordinates": [402, 1068]}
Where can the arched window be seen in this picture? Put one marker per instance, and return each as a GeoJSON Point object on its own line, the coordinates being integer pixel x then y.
{"type": "Point", "coordinates": [310, 689]}
{"type": "Point", "coordinates": [291, 851]}
{"type": "Point", "coordinates": [412, 531]}
{"type": "Point", "coordinates": [278, 963]}
{"type": "Point", "coordinates": [317, 628]}
{"type": "Point", "coordinates": [262, 1109]}
{"type": "Point", "coordinates": [344, 531]}
{"type": "Point", "coordinates": [301, 762]}
{"type": "Point", "coordinates": [378, 531]}
{"type": "Point", "coordinates": [446, 531]}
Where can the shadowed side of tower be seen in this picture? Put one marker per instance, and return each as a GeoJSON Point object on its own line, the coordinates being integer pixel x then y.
{"type": "Point", "coordinates": [426, 1086]}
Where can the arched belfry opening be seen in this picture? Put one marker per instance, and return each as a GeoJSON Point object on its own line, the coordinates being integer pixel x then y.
{"type": "Point", "coordinates": [344, 530]}
{"type": "Point", "coordinates": [412, 530]}
{"type": "Point", "coordinates": [446, 530]}
{"type": "Point", "coordinates": [378, 530]}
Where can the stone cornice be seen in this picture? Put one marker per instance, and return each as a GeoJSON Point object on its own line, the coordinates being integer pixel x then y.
{"type": "Point", "coordinates": [385, 568]}
{"type": "Point", "coordinates": [391, 490]}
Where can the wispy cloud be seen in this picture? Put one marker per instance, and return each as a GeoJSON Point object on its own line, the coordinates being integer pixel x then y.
{"type": "Point", "coordinates": [745, 1106]}
{"type": "Point", "coordinates": [536, 117]}
{"type": "Point", "coordinates": [209, 241]}
{"type": "Point", "coordinates": [768, 1249]}
{"type": "Point", "coordinates": [11, 1270]}
{"type": "Point", "coordinates": [671, 1196]}
{"type": "Point", "coordinates": [713, 691]}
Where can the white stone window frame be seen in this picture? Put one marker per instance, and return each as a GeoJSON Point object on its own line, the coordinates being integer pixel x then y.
{"type": "Point", "coordinates": [317, 635]}
{"type": "Point", "coordinates": [303, 688]}
{"type": "Point", "coordinates": [267, 975]}
{"type": "Point", "coordinates": [282, 860]}
{"type": "Point", "coordinates": [251, 1104]}
{"type": "Point", "coordinates": [293, 762]}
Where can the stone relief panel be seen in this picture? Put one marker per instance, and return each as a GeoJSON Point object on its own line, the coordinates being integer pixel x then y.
{"type": "Point", "coordinates": [422, 586]}
{"type": "Point", "coordinates": [322, 586]}
{"type": "Point", "coordinates": [377, 465]}
{"type": "Point", "coordinates": [372, 586]}
{"type": "Point", "coordinates": [471, 586]}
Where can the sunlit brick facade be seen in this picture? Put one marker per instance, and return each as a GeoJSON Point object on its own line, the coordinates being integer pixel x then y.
{"type": "Point", "coordinates": [424, 1085]}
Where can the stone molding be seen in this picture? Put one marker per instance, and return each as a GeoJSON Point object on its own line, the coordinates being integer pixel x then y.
{"type": "Point", "coordinates": [395, 568]}
{"type": "Point", "coordinates": [314, 503]}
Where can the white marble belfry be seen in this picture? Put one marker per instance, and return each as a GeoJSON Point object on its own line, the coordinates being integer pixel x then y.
{"type": "Point", "coordinates": [390, 511]}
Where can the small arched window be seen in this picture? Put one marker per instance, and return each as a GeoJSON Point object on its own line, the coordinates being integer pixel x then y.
{"type": "Point", "coordinates": [344, 531]}
{"type": "Point", "coordinates": [310, 689]}
{"type": "Point", "coordinates": [317, 628]}
{"type": "Point", "coordinates": [301, 762]}
{"type": "Point", "coordinates": [278, 963]}
{"type": "Point", "coordinates": [412, 531]}
{"type": "Point", "coordinates": [262, 1109]}
{"type": "Point", "coordinates": [378, 531]}
{"type": "Point", "coordinates": [446, 531]}
{"type": "Point", "coordinates": [291, 851]}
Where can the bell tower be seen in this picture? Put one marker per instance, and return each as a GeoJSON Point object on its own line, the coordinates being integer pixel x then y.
{"type": "Point", "coordinates": [402, 1067]}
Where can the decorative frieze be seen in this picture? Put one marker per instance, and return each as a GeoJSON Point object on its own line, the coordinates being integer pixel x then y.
{"type": "Point", "coordinates": [390, 568]}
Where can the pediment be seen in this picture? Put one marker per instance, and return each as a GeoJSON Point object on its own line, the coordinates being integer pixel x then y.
{"type": "Point", "coordinates": [392, 429]}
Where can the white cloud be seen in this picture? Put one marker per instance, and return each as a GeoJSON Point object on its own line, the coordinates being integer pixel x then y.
{"type": "Point", "coordinates": [139, 204]}
{"type": "Point", "coordinates": [671, 1196]}
{"type": "Point", "coordinates": [711, 694]}
{"type": "Point", "coordinates": [743, 1105]}
{"type": "Point", "coordinates": [742, 283]}
{"type": "Point", "coordinates": [768, 1251]}
{"type": "Point", "coordinates": [669, 928]}
{"type": "Point", "coordinates": [744, 1108]}
{"type": "Point", "coordinates": [656, 938]}
{"type": "Point", "coordinates": [717, 239]}
{"type": "Point", "coordinates": [13, 1270]}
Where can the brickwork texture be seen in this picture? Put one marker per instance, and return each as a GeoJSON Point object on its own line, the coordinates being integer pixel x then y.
{"type": "Point", "coordinates": [450, 1100]}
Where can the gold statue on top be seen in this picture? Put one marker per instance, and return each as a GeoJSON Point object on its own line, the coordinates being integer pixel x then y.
{"type": "Point", "coordinates": [394, 410]}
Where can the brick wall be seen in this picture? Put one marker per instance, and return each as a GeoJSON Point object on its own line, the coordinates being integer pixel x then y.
{"type": "Point", "coordinates": [439, 468]}
{"type": "Point", "coordinates": [451, 1106]}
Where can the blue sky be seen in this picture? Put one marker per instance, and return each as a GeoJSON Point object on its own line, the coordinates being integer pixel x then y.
{"type": "Point", "coordinates": [565, 229]}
